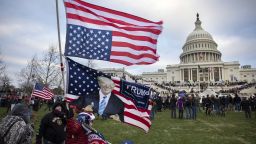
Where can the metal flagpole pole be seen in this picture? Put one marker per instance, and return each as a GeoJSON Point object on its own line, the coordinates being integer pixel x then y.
{"type": "Point", "coordinates": [61, 61]}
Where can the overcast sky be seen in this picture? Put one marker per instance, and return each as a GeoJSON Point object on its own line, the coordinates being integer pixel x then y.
{"type": "Point", "coordinates": [28, 27]}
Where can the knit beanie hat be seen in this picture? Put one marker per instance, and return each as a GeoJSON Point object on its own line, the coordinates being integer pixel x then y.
{"type": "Point", "coordinates": [22, 111]}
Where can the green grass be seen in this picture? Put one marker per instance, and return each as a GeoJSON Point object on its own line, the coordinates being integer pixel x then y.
{"type": "Point", "coordinates": [232, 129]}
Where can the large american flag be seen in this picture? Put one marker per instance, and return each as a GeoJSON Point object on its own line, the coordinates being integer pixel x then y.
{"type": "Point", "coordinates": [95, 32]}
{"type": "Point", "coordinates": [42, 91]}
{"type": "Point", "coordinates": [82, 81]}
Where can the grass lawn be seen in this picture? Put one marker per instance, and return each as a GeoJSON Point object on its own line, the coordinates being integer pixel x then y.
{"type": "Point", "coordinates": [232, 129]}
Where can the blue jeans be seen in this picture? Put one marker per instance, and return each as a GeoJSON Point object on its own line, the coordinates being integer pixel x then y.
{"type": "Point", "coordinates": [188, 112]}
{"type": "Point", "coordinates": [237, 106]}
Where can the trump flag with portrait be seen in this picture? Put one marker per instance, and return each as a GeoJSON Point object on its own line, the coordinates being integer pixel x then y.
{"type": "Point", "coordinates": [121, 100]}
{"type": "Point", "coordinates": [95, 32]}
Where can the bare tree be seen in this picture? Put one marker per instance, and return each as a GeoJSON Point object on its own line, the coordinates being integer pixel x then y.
{"type": "Point", "coordinates": [48, 70]}
{"type": "Point", "coordinates": [2, 68]}
{"type": "Point", "coordinates": [6, 83]}
{"type": "Point", "coordinates": [28, 75]}
{"type": "Point", "coordinates": [3, 74]}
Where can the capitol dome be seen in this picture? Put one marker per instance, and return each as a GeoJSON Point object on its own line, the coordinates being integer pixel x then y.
{"type": "Point", "coordinates": [200, 46]}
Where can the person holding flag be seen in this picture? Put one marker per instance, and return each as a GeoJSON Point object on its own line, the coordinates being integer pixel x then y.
{"type": "Point", "coordinates": [80, 131]}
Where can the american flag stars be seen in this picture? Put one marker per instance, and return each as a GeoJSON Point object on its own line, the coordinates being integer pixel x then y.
{"type": "Point", "coordinates": [82, 80]}
{"type": "Point", "coordinates": [89, 43]}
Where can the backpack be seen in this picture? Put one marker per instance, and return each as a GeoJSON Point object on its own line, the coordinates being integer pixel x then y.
{"type": "Point", "coordinates": [2, 137]}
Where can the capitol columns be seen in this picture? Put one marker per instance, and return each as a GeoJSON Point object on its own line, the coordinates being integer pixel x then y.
{"type": "Point", "coordinates": [220, 77]}
{"type": "Point", "coordinates": [210, 74]}
{"type": "Point", "coordinates": [198, 73]}
{"type": "Point", "coordinates": [181, 77]}
{"type": "Point", "coordinates": [191, 74]}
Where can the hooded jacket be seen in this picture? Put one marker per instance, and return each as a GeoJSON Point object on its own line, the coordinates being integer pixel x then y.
{"type": "Point", "coordinates": [53, 126]}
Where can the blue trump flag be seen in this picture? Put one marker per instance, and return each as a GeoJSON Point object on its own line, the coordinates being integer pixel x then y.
{"type": "Point", "coordinates": [138, 93]}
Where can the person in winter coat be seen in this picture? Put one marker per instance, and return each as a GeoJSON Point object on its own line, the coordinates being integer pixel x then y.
{"type": "Point", "coordinates": [53, 126]}
{"type": "Point", "coordinates": [76, 134]}
{"type": "Point", "coordinates": [246, 107]}
{"type": "Point", "coordinates": [16, 128]}
{"type": "Point", "coordinates": [180, 106]}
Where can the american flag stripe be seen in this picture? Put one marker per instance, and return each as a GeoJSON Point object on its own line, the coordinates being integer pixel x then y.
{"type": "Point", "coordinates": [38, 94]}
{"type": "Point", "coordinates": [48, 92]}
{"type": "Point", "coordinates": [70, 97]}
{"type": "Point", "coordinates": [133, 44]}
{"type": "Point", "coordinates": [120, 17]}
{"type": "Point", "coordinates": [123, 48]}
{"type": "Point", "coordinates": [128, 31]}
{"type": "Point", "coordinates": [103, 23]}
{"type": "Point", "coordinates": [130, 61]}
{"type": "Point", "coordinates": [134, 37]}
{"type": "Point", "coordinates": [42, 92]}
{"type": "Point", "coordinates": [134, 56]}
{"type": "Point", "coordinates": [132, 115]}
{"type": "Point", "coordinates": [133, 33]}
{"type": "Point", "coordinates": [129, 104]}
{"type": "Point", "coordinates": [134, 122]}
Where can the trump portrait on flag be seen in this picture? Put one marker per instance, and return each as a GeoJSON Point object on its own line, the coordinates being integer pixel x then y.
{"type": "Point", "coordinates": [111, 97]}
{"type": "Point", "coordinates": [104, 102]}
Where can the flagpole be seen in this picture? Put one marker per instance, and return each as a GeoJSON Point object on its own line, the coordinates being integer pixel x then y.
{"type": "Point", "coordinates": [59, 40]}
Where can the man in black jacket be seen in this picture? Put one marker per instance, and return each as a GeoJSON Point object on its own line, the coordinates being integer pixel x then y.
{"type": "Point", "coordinates": [53, 126]}
{"type": "Point", "coordinates": [245, 104]}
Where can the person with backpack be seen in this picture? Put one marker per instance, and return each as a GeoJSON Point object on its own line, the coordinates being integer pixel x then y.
{"type": "Point", "coordinates": [16, 128]}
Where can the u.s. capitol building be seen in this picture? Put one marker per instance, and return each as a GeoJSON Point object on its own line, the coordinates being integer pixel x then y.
{"type": "Point", "coordinates": [201, 61]}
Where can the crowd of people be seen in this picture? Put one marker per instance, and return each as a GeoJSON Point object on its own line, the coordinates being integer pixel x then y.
{"type": "Point", "coordinates": [187, 105]}
{"type": "Point", "coordinates": [74, 125]}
